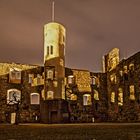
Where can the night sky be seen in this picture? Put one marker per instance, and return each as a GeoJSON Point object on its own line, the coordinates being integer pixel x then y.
{"type": "Point", "coordinates": [93, 28]}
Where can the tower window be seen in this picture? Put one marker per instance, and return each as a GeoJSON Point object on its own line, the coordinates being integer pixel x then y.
{"type": "Point", "coordinates": [51, 49]}
{"type": "Point", "coordinates": [47, 50]}
{"type": "Point", "coordinates": [50, 74]}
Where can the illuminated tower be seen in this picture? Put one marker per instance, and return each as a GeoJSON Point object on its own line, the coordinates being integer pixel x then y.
{"type": "Point", "coordinates": [54, 43]}
{"type": "Point", "coordinates": [54, 107]}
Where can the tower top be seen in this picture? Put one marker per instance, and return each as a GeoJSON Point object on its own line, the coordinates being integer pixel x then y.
{"type": "Point", "coordinates": [53, 11]}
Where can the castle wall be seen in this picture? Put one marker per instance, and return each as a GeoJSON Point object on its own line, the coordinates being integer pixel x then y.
{"type": "Point", "coordinates": [124, 83]}
{"type": "Point", "coordinates": [25, 110]}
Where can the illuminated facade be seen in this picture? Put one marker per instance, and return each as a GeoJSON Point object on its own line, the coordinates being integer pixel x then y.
{"type": "Point", "coordinates": [55, 94]}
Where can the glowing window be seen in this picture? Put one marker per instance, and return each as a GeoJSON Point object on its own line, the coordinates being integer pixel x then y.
{"type": "Point", "coordinates": [93, 80]}
{"type": "Point", "coordinates": [87, 99]}
{"type": "Point", "coordinates": [113, 78]}
{"type": "Point", "coordinates": [121, 72]}
{"type": "Point", "coordinates": [125, 69]}
{"type": "Point", "coordinates": [50, 95]}
{"type": "Point", "coordinates": [50, 74]}
{"type": "Point", "coordinates": [13, 96]}
{"type": "Point", "coordinates": [43, 94]}
{"type": "Point", "coordinates": [112, 97]}
{"type": "Point", "coordinates": [35, 98]}
{"type": "Point", "coordinates": [14, 75]}
{"type": "Point", "coordinates": [73, 97]}
{"type": "Point", "coordinates": [96, 95]}
{"type": "Point", "coordinates": [31, 77]}
{"type": "Point", "coordinates": [39, 78]}
{"type": "Point", "coordinates": [132, 92]}
{"type": "Point", "coordinates": [131, 66]}
{"type": "Point", "coordinates": [71, 79]}
{"type": "Point", "coordinates": [120, 97]}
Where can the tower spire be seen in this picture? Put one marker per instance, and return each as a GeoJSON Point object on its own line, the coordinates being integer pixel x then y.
{"type": "Point", "coordinates": [53, 14]}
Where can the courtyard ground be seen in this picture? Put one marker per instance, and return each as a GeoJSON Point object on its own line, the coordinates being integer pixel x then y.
{"type": "Point", "coordinates": [92, 131]}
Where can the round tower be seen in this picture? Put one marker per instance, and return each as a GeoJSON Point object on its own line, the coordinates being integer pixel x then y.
{"type": "Point", "coordinates": [54, 71]}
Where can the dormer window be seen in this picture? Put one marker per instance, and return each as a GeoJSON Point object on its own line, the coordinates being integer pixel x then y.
{"type": "Point", "coordinates": [14, 76]}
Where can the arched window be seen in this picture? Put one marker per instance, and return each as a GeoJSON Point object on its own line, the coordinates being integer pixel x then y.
{"type": "Point", "coordinates": [131, 67]}
{"type": "Point", "coordinates": [50, 74]}
{"type": "Point", "coordinates": [87, 99]}
{"type": "Point", "coordinates": [35, 98]}
{"type": "Point", "coordinates": [13, 96]}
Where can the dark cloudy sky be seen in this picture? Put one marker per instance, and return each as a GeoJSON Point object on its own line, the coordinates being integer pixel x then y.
{"type": "Point", "coordinates": [93, 28]}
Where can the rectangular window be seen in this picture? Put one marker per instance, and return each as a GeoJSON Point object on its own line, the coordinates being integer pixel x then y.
{"type": "Point", "coordinates": [87, 99]}
{"type": "Point", "coordinates": [93, 80]}
{"type": "Point", "coordinates": [47, 50]}
{"type": "Point", "coordinates": [39, 77]}
{"type": "Point", "coordinates": [31, 77]}
{"type": "Point", "coordinates": [70, 79]}
{"type": "Point", "coordinates": [50, 95]}
{"type": "Point", "coordinates": [125, 69]}
{"type": "Point", "coordinates": [51, 49]}
{"type": "Point", "coordinates": [132, 92]}
{"type": "Point", "coordinates": [120, 96]}
{"type": "Point", "coordinates": [14, 76]}
{"type": "Point", "coordinates": [113, 97]}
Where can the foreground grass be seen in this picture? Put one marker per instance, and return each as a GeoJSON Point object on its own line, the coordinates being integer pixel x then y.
{"type": "Point", "coordinates": [70, 132]}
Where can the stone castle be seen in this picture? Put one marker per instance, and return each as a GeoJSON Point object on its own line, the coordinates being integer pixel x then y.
{"type": "Point", "coordinates": [55, 94]}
